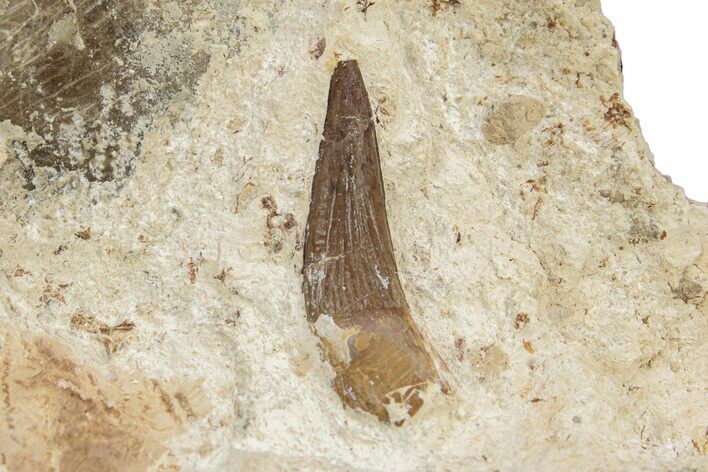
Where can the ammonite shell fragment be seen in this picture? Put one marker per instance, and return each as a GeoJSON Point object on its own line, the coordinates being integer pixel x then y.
{"type": "Point", "coordinates": [353, 296]}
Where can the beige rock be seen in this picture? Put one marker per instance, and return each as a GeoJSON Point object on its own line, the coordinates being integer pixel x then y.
{"type": "Point", "coordinates": [572, 270]}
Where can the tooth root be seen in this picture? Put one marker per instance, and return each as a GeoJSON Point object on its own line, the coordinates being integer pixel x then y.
{"type": "Point", "coordinates": [353, 295]}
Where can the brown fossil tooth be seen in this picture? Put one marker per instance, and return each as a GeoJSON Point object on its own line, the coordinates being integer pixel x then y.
{"type": "Point", "coordinates": [353, 296]}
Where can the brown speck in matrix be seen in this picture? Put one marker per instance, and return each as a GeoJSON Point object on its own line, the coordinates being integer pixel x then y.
{"type": "Point", "coordinates": [460, 344]}
{"type": "Point", "coordinates": [617, 114]}
{"type": "Point", "coordinates": [84, 234]}
{"type": "Point", "coordinates": [318, 49]}
{"type": "Point", "coordinates": [364, 5]}
{"type": "Point", "coordinates": [537, 207]}
{"type": "Point", "coordinates": [522, 319]}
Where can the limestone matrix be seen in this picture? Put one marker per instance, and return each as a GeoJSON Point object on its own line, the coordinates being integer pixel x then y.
{"type": "Point", "coordinates": [152, 221]}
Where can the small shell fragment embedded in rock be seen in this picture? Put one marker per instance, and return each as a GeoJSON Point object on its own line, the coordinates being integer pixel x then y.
{"type": "Point", "coordinates": [512, 119]}
{"type": "Point", "coordinates": [354, 299]}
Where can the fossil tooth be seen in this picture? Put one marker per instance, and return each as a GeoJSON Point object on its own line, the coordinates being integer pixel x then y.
{"type": "Point", "coordinates": [353, 296]}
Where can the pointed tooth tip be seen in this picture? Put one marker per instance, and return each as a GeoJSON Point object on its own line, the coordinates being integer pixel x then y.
{"type": "Point", "coordinates": [347, 95]}
{"type": "Point", "coordinates": [347, 67]}
{"type": "Point", "coordinates": [349, 73]}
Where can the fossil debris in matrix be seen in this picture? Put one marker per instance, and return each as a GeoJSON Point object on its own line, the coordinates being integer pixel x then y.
{"type": "Point", "coordinates": [87, 79]}
{"type": "Point", "coordinates": [353, 296]}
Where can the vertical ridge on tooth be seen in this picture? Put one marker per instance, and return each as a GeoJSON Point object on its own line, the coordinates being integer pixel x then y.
{"type": "Point", "coordinates": [350, 274]}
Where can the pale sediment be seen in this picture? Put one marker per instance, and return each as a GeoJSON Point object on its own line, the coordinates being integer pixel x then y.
{"type": "Point", "coordinates": [557, 274]}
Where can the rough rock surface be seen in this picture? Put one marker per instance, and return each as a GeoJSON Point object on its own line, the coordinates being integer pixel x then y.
{"type": "Point", "coordinates": [151, 311]}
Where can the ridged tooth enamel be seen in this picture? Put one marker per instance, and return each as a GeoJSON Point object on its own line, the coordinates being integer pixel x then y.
{"type": "Point", "coordinates": [353, 296]}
